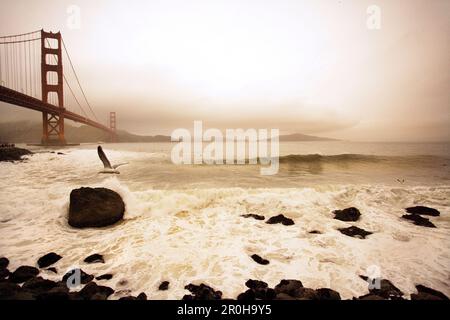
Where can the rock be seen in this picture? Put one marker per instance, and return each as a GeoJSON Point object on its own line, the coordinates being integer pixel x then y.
{"type": "Point", "coordinates": [84, 277]}
{"type": "Point", "coordinates": [348, 214]}
{"type": "Point", "coordinates": [284, 296]}
{"type": "Point", "coordinates": [254, 216]}
{"type": "Point", "coordinates": [355, 232]}
{"type": "Point", "coordinates": [248, 295]}
{"type": "Point", "coordinates": [256, 284]}
{"type": "Point", "coordinates": [164, 285]}
{"type": "Point", "coordinates": [425, 293]}
{"type": "Point", "coordinates": [61, 153]}
{"type": "Point", "coordinates": [4, 273]}
{"type": "Point", "coordinates": [202, 292]}
{"type": "Point", "coordinates": [289, 287]}
{"type": "Point", "coordinates": [370, 296]}
{"type": "Point", "coordinates": [38, 285]}
{"type": "Point", "coordinates": [52, 269]}
{"type": "Point", "coordinates": [95, 207]}
{"type": "Point", "coordinates": [58, 292]}
{"type": "Point", "coordinates": [424, 211]}
{"type": "Point", "coordinates": [259, 260]}
{"type": "Point", "coordinates": [13, 154]}
{"type": "Point", "coordinates": [315, 232]}
{"type": "Point", "coordinates": [419, 221]}
{"type": "Point", "coordinates": [260, 290]}
{"type": "Point", "coordinates": [280, 219]}
{"type": "Point", "coordinates": [141, 296]}
{"type": "Point", "coordinates": [94, 258]}
{"type": "Point", "coordinates": [8, 290]}
{"type": "Point", "coordinates": [327, 294]}
{"type": "Point", "coordinates": [387, 290]}
{"type": "Point", "coordinates": [48, 260]}
{"type": "Point", "coordinates": [23, 274]}
{"type": "Point", "coordinates": [92, 291]}
{"type": "Point", "coordinates": [106, 276]}
{"type": "Point", "coordinates": [4, 262]}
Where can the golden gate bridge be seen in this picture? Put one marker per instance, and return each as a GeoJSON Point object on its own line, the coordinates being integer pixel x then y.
{"type": "Point", "coordinates": [32, 76]}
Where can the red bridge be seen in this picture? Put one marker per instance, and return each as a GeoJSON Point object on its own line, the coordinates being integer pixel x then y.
{"type": "Point", "coordinates": [31, 76]}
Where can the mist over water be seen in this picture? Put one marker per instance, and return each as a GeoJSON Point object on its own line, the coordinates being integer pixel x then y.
{"type": "Point", "coordinates": [183, 223]}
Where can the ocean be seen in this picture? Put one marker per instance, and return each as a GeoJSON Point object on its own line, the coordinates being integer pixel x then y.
{"type": "Point", "coordinates": [183, 223]}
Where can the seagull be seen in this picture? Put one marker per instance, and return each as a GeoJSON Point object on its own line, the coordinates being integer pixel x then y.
{"type": "Point", "coordinates": [108, 168]}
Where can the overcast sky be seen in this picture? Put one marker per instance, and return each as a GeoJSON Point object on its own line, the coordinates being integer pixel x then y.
{"type": "Point", "coordinates": [301, 66]}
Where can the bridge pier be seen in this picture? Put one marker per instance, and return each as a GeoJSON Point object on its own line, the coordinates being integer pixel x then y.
{"type": "Point", "coordinates": [53, 129]}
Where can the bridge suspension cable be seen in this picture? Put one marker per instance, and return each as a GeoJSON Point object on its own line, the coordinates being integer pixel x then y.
{"type": "Point", "coordinates": [78, 80]}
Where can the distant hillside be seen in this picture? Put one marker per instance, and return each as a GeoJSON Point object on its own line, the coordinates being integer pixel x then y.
{"type": "Point", "coordinates": [30, 132]}
{"type": "Point", "coordinates": [303, 137]}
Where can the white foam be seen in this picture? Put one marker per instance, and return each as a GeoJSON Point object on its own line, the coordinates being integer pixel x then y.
{"type": "Point", "coordinates": [197, 235]}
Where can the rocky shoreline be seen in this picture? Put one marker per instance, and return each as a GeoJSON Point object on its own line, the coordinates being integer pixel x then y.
{"type": "Point", "coordinates": [12, 154]}
{"type": "Point", "coordinates": [25, 283]}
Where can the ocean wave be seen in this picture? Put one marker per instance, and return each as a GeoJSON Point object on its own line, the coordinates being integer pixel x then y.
{"type": "Point", "coordinates": [349, 157]}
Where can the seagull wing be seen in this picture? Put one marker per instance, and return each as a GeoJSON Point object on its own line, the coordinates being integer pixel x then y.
{"type": "Point", "coordinates": [103, 157]}
{"type": "Point", "coordinates": [118, 165]}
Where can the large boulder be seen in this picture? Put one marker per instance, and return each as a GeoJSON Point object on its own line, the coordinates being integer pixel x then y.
{"type": "Point", "coordinates": [95, 207]}
{"type": "Point", "coordinates": [348, 214]}
{"type": "Point", "coordinates": [13, 153]}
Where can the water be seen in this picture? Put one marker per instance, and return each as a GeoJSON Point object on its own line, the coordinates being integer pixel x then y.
{"type": "Point", "coordinates": [183, 224]}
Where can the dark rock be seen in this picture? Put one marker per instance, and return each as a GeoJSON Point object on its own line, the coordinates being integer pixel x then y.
{"type": "Point", "coordinates": [280, 219]}
{"type": "Point", "coordinates": [94, 258]}
{"type": "Point", "coordinates": [4, 273]}
{"type": "Point", "coordinates": [254, 216]}
{"type": "Point", "coordinates": [4, 262]}
{"type": "Point", "coordinates": [419, 221]}
{"type": "Point", "coordinates": [38, 285]}
{"type": "Point", "coordinates": [284, 296]}
{"type": "Point", "coordinates": [60, 153]}
{"type": "Point", "coordinates": [248, 295]}
{"type": "Point", "coordinates": [348, 214]}
{"type": "Point", "coordinates": [256, 284]}
{"type": "Point", "coordinates": [386, 290]}
{"type": "Point", "coordinates": [52, 269]}
{"type": "Point", "coordinates": [370, 296]}
{"type": "Point", "coordinates": [259, 260]}
{"type": "Point", "coordinates": [202, 292]}
{"type": "Point", "coordinates": [92, 290]}
{"type": "Point", "coordinates": [307, 294]}
{"type": "Point", "coordinates": [23, 274]}
{"type": "Point", "coordinates": [424, 211]}
{"type": "Point", "coordinates": [13, 154]}
{"type": "Point", "coordinates": [58, 292]}
{"type": "Point", "coordinates": [327, 294]}
{"type": "Point", "coordinates": [106, 276]}
{"type": "Point", "coordinates": [315, 232]}
{"type": "Point", "coordinates": [260, 290]}
{"type": "Point", "coordinates": [84, 277]}
{"type": "Point", "coordinates": [355, 232]}
{"type": "Point", "coordinates": [8, 290]}
{"type": "Point", "coordinates": [141, 296]}
{"type": "Point", "coordinates": [289, 287]}
{"type": "Point", "coordinates": [95, 207]}
{"type": "Point", "coordinates": [425, 293]}
{"type": "Point", "coordinates": [48, 260]}
{"type": "Point", "coordinates": [164, 285]}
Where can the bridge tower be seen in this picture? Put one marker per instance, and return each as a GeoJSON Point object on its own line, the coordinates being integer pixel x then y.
{"type": "Point", "coordinates": [112, 126]}
{"type": "Point", "coordinates": [53, 123]}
